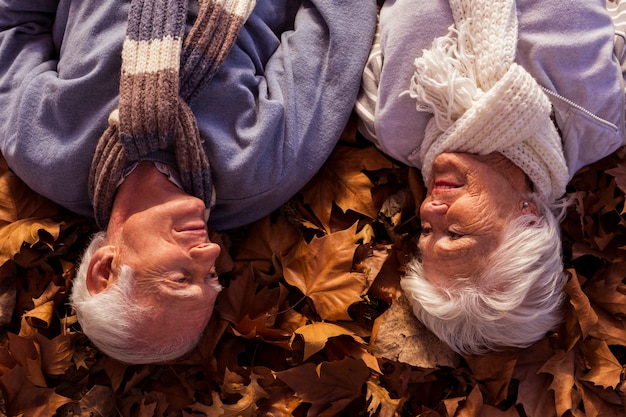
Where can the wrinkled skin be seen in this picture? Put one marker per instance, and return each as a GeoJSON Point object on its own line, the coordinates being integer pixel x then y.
{"type": "Point", "coordinates": [470, 200]}
{"type": "Point", "coordinates": [160, 232]}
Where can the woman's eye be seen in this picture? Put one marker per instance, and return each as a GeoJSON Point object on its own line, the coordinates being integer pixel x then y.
{"type": "Point", "coordinates": [426, 230]}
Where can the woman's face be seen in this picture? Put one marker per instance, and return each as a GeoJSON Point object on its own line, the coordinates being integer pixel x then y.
{"type": "Point", "coordinates": [470, 200]}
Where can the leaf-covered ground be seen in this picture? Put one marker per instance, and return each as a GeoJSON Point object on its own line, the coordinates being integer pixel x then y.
{"type": "Point", "coordinates": [312, 321]}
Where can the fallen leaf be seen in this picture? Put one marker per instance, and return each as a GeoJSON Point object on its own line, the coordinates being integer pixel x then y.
{"type": "Point", "coordinates": [329, 387]}
{"type": "Point", "coordinates": [380, 403]}
{"type": "Point", "coordinates": [343, 182]}
{"type": "Point", "coordinates": [561, 367]}
{"type": "Point", "coordinates": [604, 369]}
{"type": "Point", "coordinates": [322, 270]}
{"type": "Point", "coordinates": [316, 335]}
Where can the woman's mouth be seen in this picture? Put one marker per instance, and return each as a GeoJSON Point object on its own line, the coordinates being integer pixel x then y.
{"type": "Point", "coordinates": [443, 185]}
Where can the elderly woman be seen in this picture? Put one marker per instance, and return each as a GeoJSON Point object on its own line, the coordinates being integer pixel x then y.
{"type": "Point", "coordinates": [498, 103]}
{"type": "Point", "coordinates": [147, 114]}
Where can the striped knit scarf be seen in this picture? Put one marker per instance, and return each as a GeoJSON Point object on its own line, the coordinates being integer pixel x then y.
{"type": "Point", "coordinates": [162, 72]}
{"type": "Point", "coordinates": [482, 101]}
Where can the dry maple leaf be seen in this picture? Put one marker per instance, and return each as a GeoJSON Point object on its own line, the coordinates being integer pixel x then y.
{"type": "Point", "coordinates": [380, 403]}
{"type": "Point", "coordinates": [533, 390]}
{"type": "Point", "coordinates": [597, 403]}
{"type": "Point", "coordinates": [329, 387]}
{"type": "Point", "coordinates": [561, 366]}
{"type": "Point", "coordinates": [322, 271]}
{"type": "Point", "coordinates": [604, 369]}
{"type": "Point", "coordinates": [316, 335]}
{"type": "Point", "coordinates": [342, 181]}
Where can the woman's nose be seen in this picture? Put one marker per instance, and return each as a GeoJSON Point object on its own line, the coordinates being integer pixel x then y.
{"type": "Point", "coordinates": [434, 207]}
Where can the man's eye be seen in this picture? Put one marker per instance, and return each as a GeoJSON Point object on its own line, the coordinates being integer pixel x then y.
{"type": "Point", "coordinates": [183, 279]}
{"type": "Point", "coordinates": [426, 230]}
{"type": "Point", "coordinates": [454, 235]}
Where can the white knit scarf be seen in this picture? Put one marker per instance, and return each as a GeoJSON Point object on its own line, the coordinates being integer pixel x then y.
{"type": "Point", "coordinates": [482, 101]}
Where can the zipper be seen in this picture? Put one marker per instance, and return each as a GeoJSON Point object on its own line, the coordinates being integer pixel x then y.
{"type": "Point", "coordinates": [571, 103]}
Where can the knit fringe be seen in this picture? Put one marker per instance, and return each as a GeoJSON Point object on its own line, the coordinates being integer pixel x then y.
{"type": "Point", "coordinates": [482, 101]}
{"type": "Point", "coordinates": [444, 81]}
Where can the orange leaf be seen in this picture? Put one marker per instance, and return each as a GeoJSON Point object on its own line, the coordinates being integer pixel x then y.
{"type": "Point", "coordinates": [342, 181]}
{"type": "Point", "coordinates": [322, 271]}
{"type": "Point", "coordinates": [380, 403]}
{"type": "Point", "coordinates": [316, 335]}
{"type": "Point", "coordinates": [604, 369]}
{"type": "Point", "coordinates": [41, 316]}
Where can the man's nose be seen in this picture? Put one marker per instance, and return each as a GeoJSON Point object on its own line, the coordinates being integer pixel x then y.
{"type": "Point", "coordinates": [206, 252]}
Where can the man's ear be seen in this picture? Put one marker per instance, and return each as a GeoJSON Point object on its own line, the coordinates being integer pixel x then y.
{"type": "Point", "coordinates": [100, 270]}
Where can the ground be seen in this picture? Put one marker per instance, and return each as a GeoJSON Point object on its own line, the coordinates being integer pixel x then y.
{"type": "Point", "coordinates": [311, 302]}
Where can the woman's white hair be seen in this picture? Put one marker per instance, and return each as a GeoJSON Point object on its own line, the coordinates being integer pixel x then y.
{"type": "Point", "coordinates": [513, 302]}
{"type": "Point", "coordinates": [113, 319]}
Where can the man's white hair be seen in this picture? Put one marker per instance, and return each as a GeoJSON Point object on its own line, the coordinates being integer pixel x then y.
{"type": "Point", "coordinates": [113, 320]}
{"type": "Point", "coordinates": [513, 302]}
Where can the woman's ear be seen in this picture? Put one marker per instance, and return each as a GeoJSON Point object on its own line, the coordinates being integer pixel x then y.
{"type": "Point", "coordinates": [528, 207]}
{"type": "Point", "coordinates": [100, 270]}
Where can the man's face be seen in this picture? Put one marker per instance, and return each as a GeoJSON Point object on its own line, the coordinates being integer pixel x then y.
{"type": "Point", "coordinates": [168, 247]}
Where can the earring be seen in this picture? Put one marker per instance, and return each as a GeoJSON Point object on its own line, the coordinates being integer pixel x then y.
{"type": "Point", "coordinates": [525, 204]}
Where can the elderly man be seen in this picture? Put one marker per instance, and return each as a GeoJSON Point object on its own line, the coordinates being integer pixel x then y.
{"type": "Point", "coordinates": [151, 115]}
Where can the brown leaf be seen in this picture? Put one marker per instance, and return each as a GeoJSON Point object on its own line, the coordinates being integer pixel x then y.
{"type": "Point", "coordinates": [339, 347]}
{"type": "Point", "coordinates": [494, 370]}
{"type": "Point", "coordinates": [321, 270]}
{"type": "Point", "coordinates": [56, 354]}
{"type": "Point", "coordinates": [25, 398]}
{"type": "Point", "coordinates": [249, 395]}
{"type": "Point", "coordinates": [580, 321]}
{"type": "Point", "coordinates": [398, 335]}
{"type": "Point", "coordinates": [41, 316]}
{"type": "Point", "coordinates": [619, 172]}
{"type": "Point", "coordinates": [267, 239]}
{"type": "Point", "coordinates": [27, 231]}
{"type": "Point", "coordinates": [604, 369]}
{"type": "Point", "coordinates": [281, 402]}
{"type": "Point", "coordinates": [329, 387]}
{"type": "Point", "coordinates": [215, 409]}
{"type": "Point", "coordinates": [98, 401]}
{"type": "Point", "coordinates": [596, 404]}
{"type": "Point", "coordinates": [609, 328]}
{"type": "Point", "coordinates": [380, 402]}
{"type": "Point", "coordinates": [561, 367]}
{"type": "Point", "coordinates": [607, 290]}
{"type": "Point", "coordinates": [316, 335]}
{"type": "Point", "coordinates": [533, 391]}
{"type": "Point", "coordinates": [472, 405]}
{"type": "Point", "coordinates": [343, 182]}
